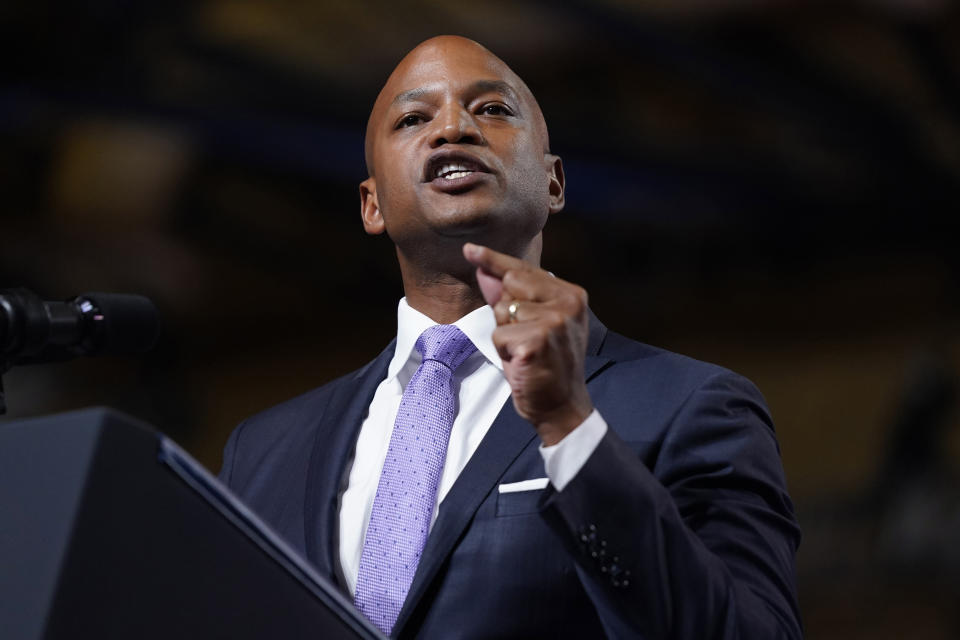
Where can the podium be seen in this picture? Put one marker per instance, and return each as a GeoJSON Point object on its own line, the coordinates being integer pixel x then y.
{"type": "Point", "coordinates": [109, 530]}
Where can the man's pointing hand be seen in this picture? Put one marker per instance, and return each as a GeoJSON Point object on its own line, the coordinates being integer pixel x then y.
{"type": "Point", "coordinates": [541, 335]}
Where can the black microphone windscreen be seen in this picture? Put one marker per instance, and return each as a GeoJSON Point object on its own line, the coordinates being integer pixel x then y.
{"type": "Point", "coordinates": [131, 323]}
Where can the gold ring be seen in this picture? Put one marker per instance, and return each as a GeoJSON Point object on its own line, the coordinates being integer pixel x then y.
{"type": "Point", "coordinates": [512, 310]}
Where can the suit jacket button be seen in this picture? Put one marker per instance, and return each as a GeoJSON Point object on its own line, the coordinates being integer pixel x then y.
{"type": "Point", "coordinates": [624, 579]}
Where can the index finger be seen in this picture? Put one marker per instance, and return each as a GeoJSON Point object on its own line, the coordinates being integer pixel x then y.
{"type": "Point", "coordinates": [493, 262]}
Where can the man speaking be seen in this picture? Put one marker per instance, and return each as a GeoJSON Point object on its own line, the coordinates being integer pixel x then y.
{"type": "Point", "coordinates": [508, 467]}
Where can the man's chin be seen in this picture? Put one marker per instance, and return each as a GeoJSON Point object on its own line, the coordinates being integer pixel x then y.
{"type": "Point", "coordinates": [492, 227]}
{"type": "Point", "coordinates": [465, 224]}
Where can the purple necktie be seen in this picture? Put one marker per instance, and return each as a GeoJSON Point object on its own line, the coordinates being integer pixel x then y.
{"type": "Point", "coordinates": [407, 493]}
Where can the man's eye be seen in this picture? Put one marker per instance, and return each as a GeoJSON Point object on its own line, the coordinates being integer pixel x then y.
{"type": "Point", "coordinates": [410, 120]}
{"type": "Point", "coordinates": [495, 110]}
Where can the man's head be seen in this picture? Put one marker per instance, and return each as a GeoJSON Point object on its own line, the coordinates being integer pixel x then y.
{"type": "Point", "coordinates": [457, 150]}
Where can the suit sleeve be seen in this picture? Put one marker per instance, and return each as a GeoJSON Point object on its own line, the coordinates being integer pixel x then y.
{"type": "Point", "coordinates": [700, 543]}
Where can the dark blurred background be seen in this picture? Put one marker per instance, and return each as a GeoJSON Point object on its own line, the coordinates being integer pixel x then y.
{"type": "Point", "coordinates": [772, 186]}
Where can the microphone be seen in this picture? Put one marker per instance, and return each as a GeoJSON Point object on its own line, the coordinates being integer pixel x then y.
{"type": "Point", "coordinates": [33, 331]}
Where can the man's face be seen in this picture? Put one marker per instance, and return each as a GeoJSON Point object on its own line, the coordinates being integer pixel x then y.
{"type": "Point", "coordinates": [457, 148]}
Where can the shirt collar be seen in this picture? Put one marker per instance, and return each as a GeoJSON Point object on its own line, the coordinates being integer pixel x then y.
{"type": "Point", "coordinates": [478, 325]}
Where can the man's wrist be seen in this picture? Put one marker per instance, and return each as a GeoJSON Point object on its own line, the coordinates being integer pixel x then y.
{"type": "Point", "coordinates": [558, 424]}
{"type": "Point", "coordinates": [563, 461]}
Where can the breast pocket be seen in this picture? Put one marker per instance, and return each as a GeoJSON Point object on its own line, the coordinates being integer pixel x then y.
{"type": "Point", "coordinates": [518, 498]}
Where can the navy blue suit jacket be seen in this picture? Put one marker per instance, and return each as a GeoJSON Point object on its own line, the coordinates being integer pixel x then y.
{"type": "Point", "coordinates": [678, 526]}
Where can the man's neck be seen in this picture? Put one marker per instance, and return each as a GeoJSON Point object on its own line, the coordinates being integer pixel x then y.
{"type": "Point", "coordinates": [445, 292]}
{"type": "Point", "coordinates": [441, 297]}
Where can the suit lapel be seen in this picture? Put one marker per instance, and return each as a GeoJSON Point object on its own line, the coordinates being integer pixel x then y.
{"type": "Point", "coordinates": [332, 449]}
{"type": "Point", "coordinates": [594, 363]}
{"type": "Point", "coordinates": [508, 436]}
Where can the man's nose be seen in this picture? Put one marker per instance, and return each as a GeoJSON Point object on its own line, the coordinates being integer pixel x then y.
{"type": "Point", "coordinates": [456, 125]}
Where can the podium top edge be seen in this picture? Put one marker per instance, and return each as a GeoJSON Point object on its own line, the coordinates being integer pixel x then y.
{"type": "Point", "coordinates": [100, 416]}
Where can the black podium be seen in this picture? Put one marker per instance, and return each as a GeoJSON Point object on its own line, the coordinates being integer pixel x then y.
{"type": "Point", "coordinates": [109, 530]}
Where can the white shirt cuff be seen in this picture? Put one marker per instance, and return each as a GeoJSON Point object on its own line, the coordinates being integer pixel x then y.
{"type": "Point", "coordinates": [564, 460]}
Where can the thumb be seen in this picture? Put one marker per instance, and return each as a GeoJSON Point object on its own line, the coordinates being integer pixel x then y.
{"type": "Point", "coordinates": [490, 286]}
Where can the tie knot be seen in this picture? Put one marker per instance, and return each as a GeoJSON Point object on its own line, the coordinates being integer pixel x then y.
{"type": "Point", "coordinates": [445, 343]}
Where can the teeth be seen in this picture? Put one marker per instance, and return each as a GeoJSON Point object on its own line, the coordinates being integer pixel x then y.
{"type": "Point", "coordinates": [452, 171]}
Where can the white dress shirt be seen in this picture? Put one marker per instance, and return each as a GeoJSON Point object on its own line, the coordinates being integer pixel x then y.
{"type": "Point", "coordinates": [481, 390]}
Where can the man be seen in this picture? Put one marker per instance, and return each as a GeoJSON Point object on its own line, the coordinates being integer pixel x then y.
{"type": "Point", "coordinates": [518, 471]}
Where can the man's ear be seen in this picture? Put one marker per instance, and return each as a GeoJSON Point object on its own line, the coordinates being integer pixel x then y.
{"type": "Point", "coordinates": [369, 209]}
{"type": "Point", "coordinates": [557, 184]}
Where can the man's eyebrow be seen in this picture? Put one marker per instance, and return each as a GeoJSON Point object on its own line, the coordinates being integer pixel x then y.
{"type": "Point", "coordinates": [480, 86]}
{"type": "Point", "coordinates": [411, 95]}
{"type": "Point", "coordinates": [495, 86]}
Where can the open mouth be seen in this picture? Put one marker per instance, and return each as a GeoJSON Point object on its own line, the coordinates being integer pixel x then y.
{"type": "Point", "coordinates": [455, 170]}
{"type": "Point", "coordinates": [451, 168]}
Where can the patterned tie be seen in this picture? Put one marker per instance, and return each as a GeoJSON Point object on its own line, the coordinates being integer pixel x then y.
{"type": "Point", "coordinates": [400, 519]}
